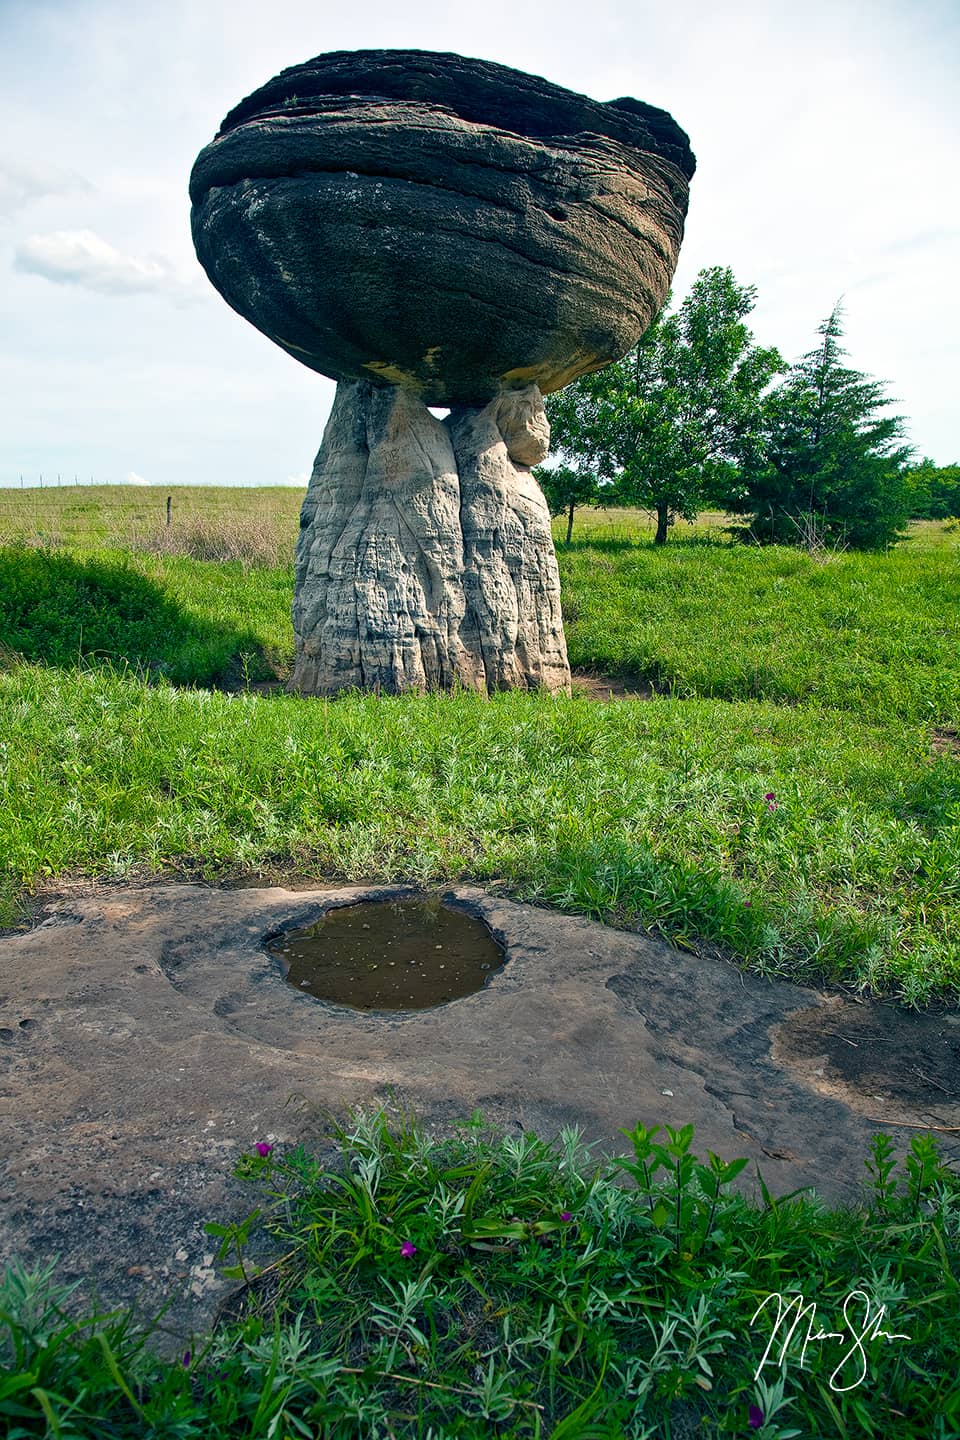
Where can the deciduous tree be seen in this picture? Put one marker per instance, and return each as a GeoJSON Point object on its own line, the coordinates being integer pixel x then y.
{"type": "Point", "coordinates": [670, 421]}
{"type": "Point", "coordinates": [565, 488]}
{"type": "Point", "coordinates": [934, 491]}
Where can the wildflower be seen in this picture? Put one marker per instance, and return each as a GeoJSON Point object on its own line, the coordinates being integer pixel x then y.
{"type": "Point", "coordinates": [407, 1249]}
{"type": "Point", "coordinates": [262, 1149]}
{"type": "Point", "coordinates": [187, 1357]}
{"type": "Point", "coordinates": [771, 799]}
{"type": "Point", "coordinates": [747, 904]}
{"type": "Point", "coordinates": [565, 1215]}
{"type": "Point", "coordinates": [755, 1417]}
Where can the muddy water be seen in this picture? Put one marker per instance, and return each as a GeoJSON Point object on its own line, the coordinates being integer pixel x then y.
{"type": "Point", "coordinates": [407, 954]}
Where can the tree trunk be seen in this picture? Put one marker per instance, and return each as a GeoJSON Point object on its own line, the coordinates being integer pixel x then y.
{"type": "Point", "coordinates": [663, 520]}
{"type": "Point", "coordinates": [425, 559]}
{"type": "Point", "coordinates": [570, 522]}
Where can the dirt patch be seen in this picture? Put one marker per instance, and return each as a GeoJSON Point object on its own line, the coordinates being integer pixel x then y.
{"type": "Point", "coordinates": [945, 742]}
{"type": "Point", "coordinates": [891, 1065]}
{"type": "Point", "coordinates": [609, 687]}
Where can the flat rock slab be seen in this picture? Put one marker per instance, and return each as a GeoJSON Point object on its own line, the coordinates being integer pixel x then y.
{"type": "Point", "coordinates": [148, 1039]}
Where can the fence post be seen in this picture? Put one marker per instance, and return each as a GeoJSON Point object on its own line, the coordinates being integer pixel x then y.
{"type": "Point", "coordinates": [169, 502]}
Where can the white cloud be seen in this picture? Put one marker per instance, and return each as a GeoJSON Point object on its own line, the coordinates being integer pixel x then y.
{"type": "Point", "coordinates": [838, 188]}
{"type": "Point", "coordinates": [132, 478]}
{"type": "Point", "coordinates": [82, 257]}
{"type": "Point", "coordinates": [21, 185]}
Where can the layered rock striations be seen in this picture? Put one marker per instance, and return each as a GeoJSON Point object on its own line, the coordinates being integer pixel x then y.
{"type": "Point", "coordinates": [441, 223]}
{"type": "Point", "coordinates": [430, 230]}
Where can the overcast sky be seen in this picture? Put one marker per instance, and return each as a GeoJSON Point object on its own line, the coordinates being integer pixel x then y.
{"type": "Point", "coordinates": [826, 139]}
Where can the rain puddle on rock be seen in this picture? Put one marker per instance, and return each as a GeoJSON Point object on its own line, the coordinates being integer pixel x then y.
{"type": "Point", "coordinates": [407, 954]}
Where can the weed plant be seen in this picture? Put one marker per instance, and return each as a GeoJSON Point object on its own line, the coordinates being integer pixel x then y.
{"type": "Point", "coordinates": [480, 1285]}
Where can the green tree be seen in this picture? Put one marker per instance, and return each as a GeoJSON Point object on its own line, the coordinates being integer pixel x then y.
{"type": "Point", "coordinates": [934, 492]}
{"type": "Point", "coordinates": [829, 463]}
{"type": "Point", "coordinates": [669, 422]}
{"type": "Point", "coordinates": [564, 489]}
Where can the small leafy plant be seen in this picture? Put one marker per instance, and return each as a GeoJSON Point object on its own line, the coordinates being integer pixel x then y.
{"type": "Point", "coordinates": [475, 1285]}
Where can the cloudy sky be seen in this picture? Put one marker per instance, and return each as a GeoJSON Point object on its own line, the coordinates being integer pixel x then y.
{"type": "Point", "coordinates": [827, 143]}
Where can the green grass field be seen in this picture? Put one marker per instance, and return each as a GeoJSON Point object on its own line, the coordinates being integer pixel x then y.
{"type": "Point", "coordinates": [789, 795]}
{"type": "Point", "coordinates": [136, 741]}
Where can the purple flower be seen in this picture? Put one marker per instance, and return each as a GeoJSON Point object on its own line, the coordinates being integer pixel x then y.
{"type": "Point", "coordinates": [768, 797]}
{"type": "Point", "coordinates": [262, 1149]}
{"type": "Point", "coordinates": [186, 1359]}
{"type": "Point", "coordinates": [408, 1248]}
{"type": "Point", "coordinates": [747, 903]}
{"type": "Point", "coordinates": [565, 1215]}
{"type": "Point", "coordinates": [755, 1417]}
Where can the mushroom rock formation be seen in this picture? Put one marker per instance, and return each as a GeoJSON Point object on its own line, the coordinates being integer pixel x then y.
{"type": "Point", "coordinates": [430, 230]}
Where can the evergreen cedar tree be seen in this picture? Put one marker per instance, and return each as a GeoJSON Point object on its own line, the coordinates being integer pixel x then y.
{"type": "Point", "coordinates": [689, 419]}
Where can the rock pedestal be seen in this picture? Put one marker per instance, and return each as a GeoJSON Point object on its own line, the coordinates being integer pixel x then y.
{"type": "Point", "coordinates": [425, 558]}
{"type": "Point", "coordinates": [428, 229]}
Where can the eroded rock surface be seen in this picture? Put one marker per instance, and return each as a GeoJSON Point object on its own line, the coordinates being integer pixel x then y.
{"type": "Point", "coordinates": [433, 230]}
{"type": "Point", "coordinates": [442, 223]}
{"type": "Point", "coordinates": [425, 557]}
{"type": "Point", "coordinates": [148, 1039]}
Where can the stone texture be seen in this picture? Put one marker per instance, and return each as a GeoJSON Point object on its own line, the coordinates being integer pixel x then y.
{"type": "Point", "coordinates": [433, 230]}
{"type": "Point", "coordinates": [443, 223]}
{"type": "Point", "coordinates": [511, 584]}
{"type": "Point", "coordinates": [425, 557]}
{"type": "Point", "coordinates": [148, 1039]}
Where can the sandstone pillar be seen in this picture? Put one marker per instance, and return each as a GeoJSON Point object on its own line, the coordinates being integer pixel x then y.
{"type": "Point", "coordinates": [425, 558]}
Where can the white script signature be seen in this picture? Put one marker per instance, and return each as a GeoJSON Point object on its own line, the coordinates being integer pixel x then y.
{"type": "Point", "coordinates": [786, 1325]}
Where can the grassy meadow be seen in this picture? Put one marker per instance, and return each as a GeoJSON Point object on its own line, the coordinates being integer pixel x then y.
{"type": "Point", "coordinates": [138, 736]}
{"type": "Point", "coordinates": [786, 792]}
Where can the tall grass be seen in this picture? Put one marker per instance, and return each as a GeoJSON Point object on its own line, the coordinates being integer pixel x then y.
{"type": "Point", "coordinates": [642, 813]}
{"type": "Point", "coordinates": [260, 523]}
{"type": "Point", "coordinates": [833, 686]}
{"type": "Point", "coordinates": [874, 635]}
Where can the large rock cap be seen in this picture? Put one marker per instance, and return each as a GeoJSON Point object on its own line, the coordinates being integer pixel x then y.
{"type": "Point", "coordinates": [439, 222]}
